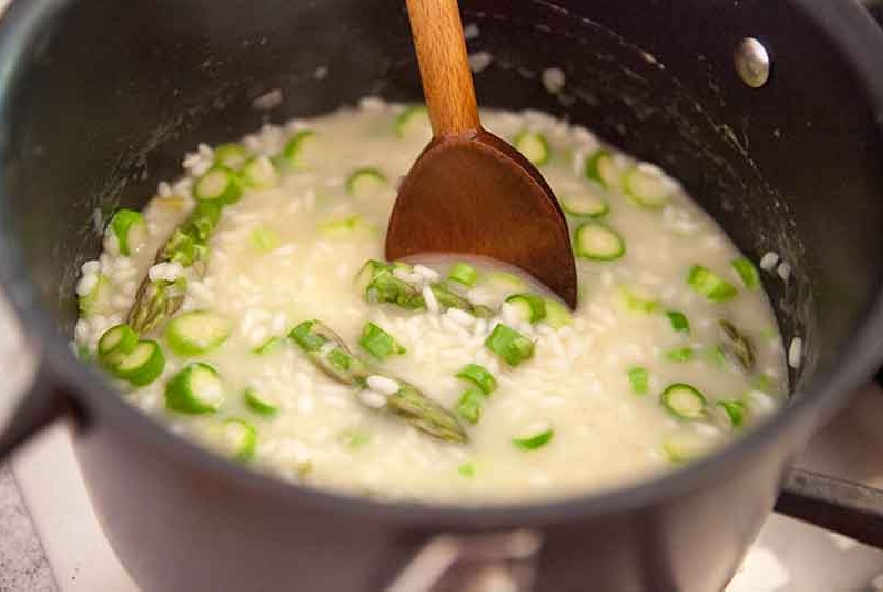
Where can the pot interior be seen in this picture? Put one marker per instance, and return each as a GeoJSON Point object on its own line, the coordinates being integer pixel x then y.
{"type": "Point", "coordinates": [106, 99]}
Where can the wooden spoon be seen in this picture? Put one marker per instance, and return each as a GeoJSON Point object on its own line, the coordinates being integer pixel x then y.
{"type": "Point", "coordinates": [469, 191]}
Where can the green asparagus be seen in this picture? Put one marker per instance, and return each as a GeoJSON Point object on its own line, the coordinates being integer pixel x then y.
{"type": "Point", "coordinates": [378, 284]}
{"type": "Point", "coordinates": [328, 352]}
{"type": "Point", "coordinates": [159, 299]}
{"type": "Point", "coordinates": [737, 347]}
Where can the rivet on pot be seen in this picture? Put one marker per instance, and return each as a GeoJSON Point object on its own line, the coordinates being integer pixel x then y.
{"type": "Point", "coordinates": [752, 62]}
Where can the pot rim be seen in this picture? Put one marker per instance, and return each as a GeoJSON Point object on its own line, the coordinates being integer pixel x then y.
{"type": "Point", "coordinates": [852, 31]}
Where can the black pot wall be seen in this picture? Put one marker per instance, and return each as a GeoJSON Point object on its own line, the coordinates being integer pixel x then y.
{"type": "Point", "coordinates": [107, 99]}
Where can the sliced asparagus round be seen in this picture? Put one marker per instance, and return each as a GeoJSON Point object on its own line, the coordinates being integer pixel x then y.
{"type": "Point", "coordinates": [648, 186]}
{"type": "Point", "coordinates": [530, 307]}
{"type": "Point", "coordinates": [195, 390]}
{"type": "Point", "coordinates": [588, 204]}
{"type": "Point", "coordinates": [413, 122]}
{"type": "Point", "coordinates": [365, 182]}
{"type": "Point", "coordinates": [602, 168]}
{"type": "Point", "coordinates": [240, 438]}
{"type": "Point", "coordinates": [533, 146]}
{"type": "Point", "coordinates": [129, 229]}
{"type": "Point", "coordinates": [678, 321]}
{"type": "Point", "coordinates": [684, 401]}
{"type": "Point", "coordinates": [471, 405]}
{"type": "Point", "coordinates": [298, 150]}
{"type": "Point", "coordinates": [96, 300]}
{"type": "Point", "coordinates": [379, 343]}
{"type": "Point", "coordinates": [142, 365]}
{"type": "Point", "coordinates": [513, 347]}
{"type": "Point", "coordinates": [709, 284]}
{"type": "Point", "coordinates": [639, 378]}
{"type": "Point", "coordinates": [557, 314]}
{"type": "Point", "coordinates": [598, 242]}
{"type": "Point", "coordinates": [535, 436]}
{"type": "Point", "coordinates": [747, 272]}
{"type": "Point", "coordinates": [231, 156]}
{"type": "Point", "coordinates": [260, 173]}
{"type": "Point", "coordinates": [196, 333]}
{"type": "Point", "coordinates": [219, 185]}
{"type": "Point", "coordinates": [264, 239]}
{"type": "Point", "coordinates": [464, 274]}
{"type": "Point", "coordinates": [115, 344]}
{"type": "Point", "coordinates": [259, 402]}
{"type": "Point", "coordinates": [479, 376]}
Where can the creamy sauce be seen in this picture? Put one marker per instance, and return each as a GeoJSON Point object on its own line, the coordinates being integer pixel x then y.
{"type": "Point", "coordinates": [577, 382]}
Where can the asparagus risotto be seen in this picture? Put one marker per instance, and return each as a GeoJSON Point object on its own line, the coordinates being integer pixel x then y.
{"type": "Point", "coordinates": [248, 307]}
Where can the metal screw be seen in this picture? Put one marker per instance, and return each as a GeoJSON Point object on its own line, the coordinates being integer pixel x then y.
{"type": "Point", "coordinates": [752, 62]}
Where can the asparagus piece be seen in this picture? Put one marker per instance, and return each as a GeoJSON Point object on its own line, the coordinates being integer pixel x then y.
{"type": "Point", "coordinates": [737, 346]}
{"type": "Point", "coordinates": [379, 284]}
{"type": "Point", "coordinates": [157, 300]}
{"type": "Point", "coordinates": [328, 352]}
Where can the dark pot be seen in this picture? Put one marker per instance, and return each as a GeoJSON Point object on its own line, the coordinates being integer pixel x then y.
{"type": "Point", "coordinates": [100, 99]}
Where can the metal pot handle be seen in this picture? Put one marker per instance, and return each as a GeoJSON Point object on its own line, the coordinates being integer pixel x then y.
{"type": "Point", "coordinates": [848, 508]}
{"type": "Point", "coordinates": [842, 506]}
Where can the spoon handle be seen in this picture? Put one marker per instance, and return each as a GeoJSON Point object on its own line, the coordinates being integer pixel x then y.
{"type": "Point", "coordinates": [444, 67]}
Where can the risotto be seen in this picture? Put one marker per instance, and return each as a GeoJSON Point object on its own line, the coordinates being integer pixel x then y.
{"type": "Point", "coordinates": [249, 307]}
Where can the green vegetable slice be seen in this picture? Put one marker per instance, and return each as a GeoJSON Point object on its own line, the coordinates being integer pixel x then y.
{"type": "Point", "coordinates": [270, 345]}
{"type": "Point", "coordinates": [412, 121]}
{"type": "Point", "coordinates": [510, 345]}
{"type": "Point", "coordinates": [479, 376]}
{"type": "Point", "coordinates": [97, 300]}
{"type": "Point", "coordinates": [142, 365]}
{"type": "Point", "coordinates": [602, 168]}
{"type": "Point", "coordinates": [683, 401]}
{"type": "Point", "coordinates": [737, 347]}
{"type": "Point", "coordinates": [647, 186]}
{"type": "Point", "coordinates": [734, 410]}
{"type": "Point", "coordinates": [219, 185]}
{"type": "Point", "coordinates": [379, 343]}
{"type": "Point", "coordinates": [471, 405]}
{"type": "Point", "coordinates": [710, 285]}
{"type": "Point", "coordinates": [530, 307]}
{"type": "Point", "coordinates": [115, 344]}
{"type": "Point", "coordinates": [240, 438]}
{"type": "Point", "coordinates": [297, 151]}
{"type": "Point", "coordinates": [260, 173]}
{"type": "Point", "coordinates": [344, 225]}
{"type": "Point", "coordinates": [598, 242]}
{"type": "Point", "coordinates": [680, 354]}
{"type": "Point", "coordinates": [638, 303]}
{"type": "Point", "coordinates": [747, 271]}
{"type": "Point", "coordinates": [533, 146]}
{"type": "Point", "coordinates": [259, 402]}
{"type": "Point", "coordinates": [535, 437]}
{"type": "Point", "coordinates": [195, 390]}
{"type": "Point", "coordinates": [683, 446]}
{"type": "Point", "coordinates": [557, 314]}
{"type": "Point", "coordinates": [506, 281]}
{"type": "Point", "coordinates": [264, 239]}
{"type": "Point", "coordinates": [466, 470]}
{"type": "Point", "coordinates": [365, 182]}
{"type": "Point", "coordinates": [639, 378]}
{"type": "Point", "coordinates": [129, 229]}
{"type": "Point", "coordinates": [585, 204]}
{"type": "Point", "coordinates": [197, 332]}
{"type": "Point", "coordinates": [678, 321]}
{"type": "Point", "coordinates": [463, 273]}
{"type": "Point", "coordinates": [230, 156]}
{"type": "Point", "coordinates": [354, 439]}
